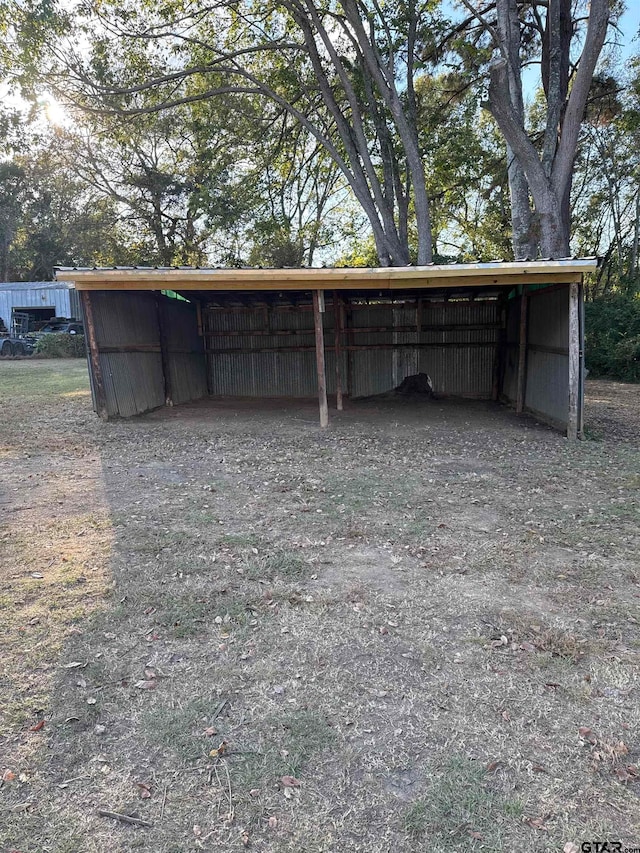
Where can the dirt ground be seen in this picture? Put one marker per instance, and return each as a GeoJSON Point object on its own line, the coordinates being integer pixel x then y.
{"type": "Point", "coordinates": [417, 630]}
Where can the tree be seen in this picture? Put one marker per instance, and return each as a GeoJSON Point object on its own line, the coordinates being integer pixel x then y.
{"type": "Point", "coordinates": [607, 182]}
{"type": "Point", "coordinates": [344, 71]}
{"type": "Point", "coordinates": [547, 32]}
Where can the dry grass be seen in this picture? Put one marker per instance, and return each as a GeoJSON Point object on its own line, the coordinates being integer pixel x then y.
{"type": "Point", "coordinates": [414, 620]}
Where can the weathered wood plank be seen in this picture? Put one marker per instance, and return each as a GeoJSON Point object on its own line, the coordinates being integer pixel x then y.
{"type": "Point", "coordinates": [574, 361]}
{"type": "Point", "coordinates": [320, 361]}
{"type": "Point", "coordinates": [337, 322]}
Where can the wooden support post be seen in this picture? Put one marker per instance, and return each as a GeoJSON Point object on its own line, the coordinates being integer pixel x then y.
{"type": "Point", "coordinates": [522, 352]}
{"type": "Point", "coordinates": [164, 353]}
{"type": "Point", "coordinates": [97, 382]}
{"type": "Point", "coordinates": [318, 310]}
{"type": "Point", "coordinates": [574, 360]}
{"type": "Point", "coordinates": [337, 321]}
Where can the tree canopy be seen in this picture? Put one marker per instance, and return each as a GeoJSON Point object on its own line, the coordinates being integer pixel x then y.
{"type": "Point", "coordinates": [300, 132]}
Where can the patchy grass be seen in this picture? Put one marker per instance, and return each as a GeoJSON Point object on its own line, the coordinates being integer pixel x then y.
{"type": "Point", "coordinates": [462, 810]}
{"type": "Point", "coordinates": [418, 616]}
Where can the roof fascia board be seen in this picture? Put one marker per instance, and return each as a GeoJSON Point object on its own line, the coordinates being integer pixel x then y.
{"type": "Point", "coordinates": [111, 281]}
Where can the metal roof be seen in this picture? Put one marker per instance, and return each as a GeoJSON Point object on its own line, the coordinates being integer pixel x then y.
{"type": "Point", "coordinates": [36, 285]}
{"type": "Point", "coordinates": [496, 273]}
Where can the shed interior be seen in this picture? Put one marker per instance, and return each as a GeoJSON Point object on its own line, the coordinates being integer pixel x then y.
{"type": "Point", "coordinates": [489, 336]}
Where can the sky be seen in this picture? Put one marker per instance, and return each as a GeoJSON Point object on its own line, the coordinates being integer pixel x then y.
{"type": "Point", "coordinates": [629, 26]}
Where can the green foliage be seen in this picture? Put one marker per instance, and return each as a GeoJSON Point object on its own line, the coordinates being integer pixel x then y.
{"type": "Point", "coordinates": [61, 345]}
{"type": "Point", "coordinates": [613, 337]}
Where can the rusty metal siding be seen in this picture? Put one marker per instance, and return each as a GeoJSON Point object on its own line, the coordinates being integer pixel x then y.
{"type": "Point", "coordinates": [125, 318]}
{"type": "Point", "coordinates": [460, 361]}
{"type": "Point", "coordinates": [547, 386]}
{"type": "Point", "coordinates": [510, 373]}
{"type": "Point", "coordinates": [260, 374]}
{"type": "Point", "coordinates": [133, 380]}
{"type": "Point", "coordinates": [185, 351]}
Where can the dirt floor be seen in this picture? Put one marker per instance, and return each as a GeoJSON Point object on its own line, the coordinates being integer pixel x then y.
{"type": "Point", "coordinates": [418, 630]}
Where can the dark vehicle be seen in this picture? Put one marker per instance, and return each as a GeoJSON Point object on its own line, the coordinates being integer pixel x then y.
{"type": "Point", "coordinates": [61, 326]}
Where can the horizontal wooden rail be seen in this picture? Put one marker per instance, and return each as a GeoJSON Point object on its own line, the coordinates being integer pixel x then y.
{"type": "Point", "coordinates": [353, 347]}
{"type": "Point", "coordinates": [477, 327]}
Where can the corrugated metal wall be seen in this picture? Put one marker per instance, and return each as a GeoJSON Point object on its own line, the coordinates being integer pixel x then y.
{"type": "Point", "coordinates": [460, 357]}
{"type": "Point", "coordinates": [547, 366]}
{"type": "Point", "coordinates": [126, 325]}
{"type": "Point", "coordinates": [451, 348]}
{"type": "Point", "coordinates": [63, 300]}
{"type": "Point", "coordinates": [128, 338]}
{"type": "Point", "coordinates": [185, 351]}
{"type": "Point", "coordinates": [547, 388]}
{"type": "Point", "coordinates": [510, 367]}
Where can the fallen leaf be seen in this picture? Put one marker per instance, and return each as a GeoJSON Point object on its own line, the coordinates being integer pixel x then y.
{"type": "Point", "coordinates": [216, 753]}
{"type": "Point", "coordinates": [290, 782]}
{"type": "Point", "coordinates": [535, 823]}
{"type": "Point", "coordinates": [145, 790]}
{"type": "Point", "coordinates": [478, 836]}
{"type": "Point", "coordinates": [150, 674]}
{"type": "Point", "coordinates": [149, 684]}
{"type": "Point", "coordinates": [493, 766]}
{"type": "Point", "coordinates": [210, 732]}
{"type": "Point", "coordinates": [586, 734]}
{"type": "Point", "coordinates": [37, 726]}
{"type": "Point", "coordinates": [8, 775]}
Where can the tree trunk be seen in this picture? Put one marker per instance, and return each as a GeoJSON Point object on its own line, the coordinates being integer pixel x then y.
{"type": "Point", "coordinates": [522, 236]}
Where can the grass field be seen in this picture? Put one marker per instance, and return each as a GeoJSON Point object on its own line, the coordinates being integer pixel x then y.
{"type": "Point", "coordinates": [416, 631]}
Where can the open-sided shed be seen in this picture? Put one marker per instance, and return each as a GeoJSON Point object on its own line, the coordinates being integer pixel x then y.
{"type": "Point", "coordinates": [503, 331]}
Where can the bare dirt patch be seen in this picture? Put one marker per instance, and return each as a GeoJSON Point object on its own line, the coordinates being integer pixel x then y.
{"type": "Point", "coordinates": [418, 630]}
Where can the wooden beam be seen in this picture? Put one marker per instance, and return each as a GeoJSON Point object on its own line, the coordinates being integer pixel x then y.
{"type": "Point", "coordinates": [375, 280]}
{"type": "Point", "coordinates": [326, 278]}
{"type": "Point", "coordinates": [349, 347]}
{"type": "Point", "coordinates": [522, 352]}
{"type": "Point", "coordinates": [449, 327]}
{"type": "Point", "coordinates": [337, 322]}
{"type": "Point", "coordinates": [574, 361]}
{"type": "Point", "coordinates": [97, 384]}
{"type": "Point", "coordinates": [320, 363]}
